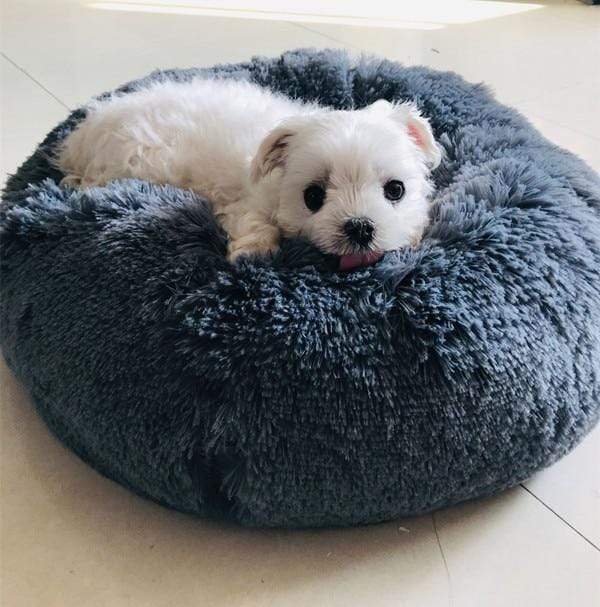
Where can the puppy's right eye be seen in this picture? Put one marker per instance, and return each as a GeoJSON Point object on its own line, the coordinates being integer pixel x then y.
{"type": "Point", "coordinates": [393, 190]}
{"type": "Point", "coordinates": [314, 197]}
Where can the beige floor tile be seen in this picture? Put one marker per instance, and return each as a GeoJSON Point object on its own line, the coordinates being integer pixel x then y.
{"type": "Point", "coordinates": [571, 487]}
{"type": "Point", "coordinates": [90, 50]}
{"type": "Point", "coordinates": [571, 11]}
{"type": "Point", "coordinates": [27, 113]}
{"type": "Point", "coordinates": [511, 54]}
{"type": "Point", "coordinates": [575, 108]}
{"type": "Point", "coordinates": [510, 551]}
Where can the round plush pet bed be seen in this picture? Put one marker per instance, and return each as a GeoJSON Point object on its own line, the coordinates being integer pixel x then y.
{"type": "Point", "coordinates": [281, 391]}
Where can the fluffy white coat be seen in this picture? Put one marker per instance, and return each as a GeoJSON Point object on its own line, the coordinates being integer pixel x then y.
{"type": "Point", "coordinates": [254, 154]}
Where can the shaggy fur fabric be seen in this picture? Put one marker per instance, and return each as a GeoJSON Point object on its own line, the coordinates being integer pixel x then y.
{"type": "Point", "coordinates": [285, 393]}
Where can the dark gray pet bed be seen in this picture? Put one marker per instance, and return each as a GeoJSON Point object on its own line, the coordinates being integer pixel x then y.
{"type": "Point", "coordinates": [281, 392]}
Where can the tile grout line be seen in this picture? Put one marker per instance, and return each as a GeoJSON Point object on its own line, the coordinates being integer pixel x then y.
{"type": "Point", "coordinates": [443, 555]}
{"type": "Point", "coordinates": [560, 517]}
{"type": "Point", "coordinates": [26, 73]}
{"type": "Point", "coordinates": [327, 36]}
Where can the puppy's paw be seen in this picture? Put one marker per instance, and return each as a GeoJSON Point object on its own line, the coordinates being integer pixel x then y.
{"type": "Point", "coordinates": [71, 181]}
{"type": "Point", "coordinates": [253, 236]}
{"type": "Point", "coordinates": [235, 250]}
{"type": "Point", "coordinates": [80, 183]}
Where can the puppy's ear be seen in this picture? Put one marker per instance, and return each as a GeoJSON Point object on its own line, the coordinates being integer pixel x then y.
{"type": "Point", "coordinates": [420, 131]}
{"type": "Point", "coordinates": [272, 152]}
{"type": "Point", "coordinates": [418, 127]}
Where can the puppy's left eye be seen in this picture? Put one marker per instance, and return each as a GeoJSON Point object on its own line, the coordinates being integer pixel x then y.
{"type": "Point", "coordinates": [393, 190]}
{"type": "Point", "coordinates": [314, 197]}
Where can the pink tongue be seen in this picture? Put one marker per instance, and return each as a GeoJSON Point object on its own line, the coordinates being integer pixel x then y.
{"type": "Point", "coordinates": [358, 260]}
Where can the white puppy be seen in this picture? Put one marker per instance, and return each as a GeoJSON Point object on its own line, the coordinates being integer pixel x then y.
{"type": "Point", "coordinates": [353, 182]}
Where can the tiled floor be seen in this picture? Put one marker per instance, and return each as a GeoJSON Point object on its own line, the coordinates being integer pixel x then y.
{"type": "Point", "coordinates": [72, 538]}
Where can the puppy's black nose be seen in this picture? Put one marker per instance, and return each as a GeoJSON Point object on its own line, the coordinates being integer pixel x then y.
{"type": "Point", "coordinates": [359, 231]}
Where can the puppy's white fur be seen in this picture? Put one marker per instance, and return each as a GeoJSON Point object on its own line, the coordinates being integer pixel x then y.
{"type": "Point", "coordinates": [252, 153]}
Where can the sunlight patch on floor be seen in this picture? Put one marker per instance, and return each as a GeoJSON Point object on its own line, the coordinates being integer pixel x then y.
{"type": "Point", "coordinates": [400, 14]}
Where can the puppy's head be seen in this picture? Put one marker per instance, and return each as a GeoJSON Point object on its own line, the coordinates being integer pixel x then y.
{"type": "Point", "coordinates": [353, 182]}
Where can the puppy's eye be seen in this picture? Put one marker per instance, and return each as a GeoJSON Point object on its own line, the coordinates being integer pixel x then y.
{"type": "Point", "coordinates": [393, 190]}
{"type": "Point", "coordinates": [314, 197]}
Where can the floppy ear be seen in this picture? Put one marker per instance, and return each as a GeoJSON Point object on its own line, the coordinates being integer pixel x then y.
{"type": "Point", "coordinates": [418, 128]}
{"type": "Point", "coordinates": [272, 152]}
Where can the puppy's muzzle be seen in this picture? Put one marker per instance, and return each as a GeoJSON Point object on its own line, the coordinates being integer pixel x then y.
{"type": "Point", "coordinates": [359, 231]}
